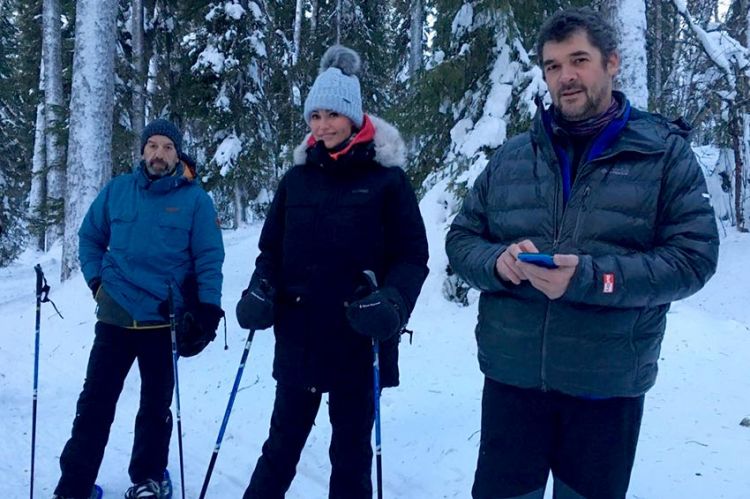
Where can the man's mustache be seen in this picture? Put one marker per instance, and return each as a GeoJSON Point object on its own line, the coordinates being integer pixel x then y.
{"type": "Point", "coordinates": [574, 87]}
{"type": "Point", "coordinates": [157, 160]}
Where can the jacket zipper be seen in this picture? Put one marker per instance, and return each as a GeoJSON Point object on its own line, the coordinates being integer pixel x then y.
{"type": "Point", "coordinates": [581, 212]}
{"type": "Point", "coordinates": [558, 231]}
{"type": "Point", "coordinates": [555, 242]}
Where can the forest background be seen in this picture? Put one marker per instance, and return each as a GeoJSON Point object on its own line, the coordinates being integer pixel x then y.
{"type": "Point", "coordinates": [78, 80]}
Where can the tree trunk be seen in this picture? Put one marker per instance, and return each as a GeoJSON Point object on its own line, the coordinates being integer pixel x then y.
{"type": "Point", "coordinates": [53, 105]}
{"type": "Point", "coordinates": [137, 114]}
{"type": "Point", "coordinates": [37, 211]}
{"type": "Point", "coordinates": [297, 32]}
{"type": "Point", "coordinates": [629, 19]}
{"type": "Point", "coordinates": [415, 37]}
{"type": "Point", "coordinates": [657, 50]}
{"type": "Point", "coordinates": [239, 209]}
{"type": "Point", "coordinates": [738, 146]}
{"type": "Point", "coordinates": [746, 112]}
{"type": "Point", "coordinates": [338, 21]}
{"type": "Point", "coordinates": [314, 9]}
{"type": "Point", "coordinates": [91, 106]}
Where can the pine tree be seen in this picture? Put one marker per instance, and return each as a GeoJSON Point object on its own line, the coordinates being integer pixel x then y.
{"type": "Point", "coordinates": [477, 90]}
{"type": "Point", "coordinates": [231, 69]}
{"type": "Point", "coordinates": [14, 170]}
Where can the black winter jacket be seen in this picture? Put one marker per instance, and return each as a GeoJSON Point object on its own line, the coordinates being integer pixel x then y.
{"type": "Point", "coordinates": [639, 218]}
{"type": "Point", "coordinates": [329, 221]}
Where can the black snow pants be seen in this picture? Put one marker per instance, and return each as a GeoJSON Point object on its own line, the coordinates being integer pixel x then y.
{"type": "Point", "coordinates": [112, 355]}
{"type": "Point", "coordinates": [588, 444]}
{"type": "Point", "coordinates": [351, 411]}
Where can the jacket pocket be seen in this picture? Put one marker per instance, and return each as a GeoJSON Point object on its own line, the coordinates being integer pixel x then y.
{"type": "Point", "coordinates": [174, 229]}
{"type": "Point", "coordinates": [121, 228]}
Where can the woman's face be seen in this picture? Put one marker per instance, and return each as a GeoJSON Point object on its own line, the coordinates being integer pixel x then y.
{"type": "Point", "coordinates": [330, 127]}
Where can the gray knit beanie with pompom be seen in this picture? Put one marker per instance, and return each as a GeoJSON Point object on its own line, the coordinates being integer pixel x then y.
{"type": "Point", "coordinates": [337, 87]}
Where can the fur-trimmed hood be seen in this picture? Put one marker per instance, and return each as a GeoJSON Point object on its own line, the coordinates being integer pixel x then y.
{"type": "Point", "coordinates": [390, 149]}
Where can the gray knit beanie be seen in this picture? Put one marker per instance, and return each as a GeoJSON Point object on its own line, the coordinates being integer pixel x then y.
{"type": "Point", "coordinates": [163, 127]}
{"type": "Point", "coordinates": [337, 87]}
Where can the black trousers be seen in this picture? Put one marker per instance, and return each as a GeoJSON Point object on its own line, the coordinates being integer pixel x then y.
{"type": "Point", "coordinates": [589, 445]}
{"type": "Point", "coordinates": [351, 411]}
{"type": "Point", "coordinates": [112, 355]}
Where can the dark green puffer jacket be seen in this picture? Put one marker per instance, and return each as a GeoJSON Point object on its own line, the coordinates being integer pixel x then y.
{"type": "Point", "coordinates": [638, 214]}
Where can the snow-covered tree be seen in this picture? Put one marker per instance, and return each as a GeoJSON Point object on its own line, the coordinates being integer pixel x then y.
{"type": "Point", "coordinates": [718, 72]}
{"type": "Point", "coordinates": [416, 34]}
{"type": "Point", "coordinates": [231, 64]}
{"type": "Point", "coordinates": [37, 213]}
{"type": "Point", "coordinates": [89, 149]}
{"type": "Point", "coordinates": [629, 19]}
{"type": "Point", "coordinates": [53, 117]}
{"type": "Point", "coordinates": [137, 114]}
{"type": "Point", "coordinates": [14, 168]}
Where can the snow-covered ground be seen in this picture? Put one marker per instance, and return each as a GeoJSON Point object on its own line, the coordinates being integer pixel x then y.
{"type": "Point", "coordinates": [692, 445]}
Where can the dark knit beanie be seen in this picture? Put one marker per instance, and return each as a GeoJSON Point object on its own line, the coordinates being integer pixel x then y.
{"type": "Point", "coordinates": [162, 127]}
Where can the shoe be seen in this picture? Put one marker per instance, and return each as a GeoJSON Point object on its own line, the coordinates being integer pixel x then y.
{"type": "Point", "coordinates": [144, 490]}
{"type": "Point", "coordinates": [165, 486]}
{"type": "Point", "coordinates": [95, 494]}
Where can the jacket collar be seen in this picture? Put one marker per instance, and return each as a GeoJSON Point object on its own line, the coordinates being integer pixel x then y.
{"type": "Point", "coordinates": [390, 149]}
{"type": "Point", "coordinates": [643, 133]}
{"type": "Point", "coordinates": [163, 184]}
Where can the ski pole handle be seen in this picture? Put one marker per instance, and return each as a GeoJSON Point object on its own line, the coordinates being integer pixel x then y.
{"type": "Point", "coordinates": [39, 279]}
{"type": "Point", "coordinates": [372, 281]}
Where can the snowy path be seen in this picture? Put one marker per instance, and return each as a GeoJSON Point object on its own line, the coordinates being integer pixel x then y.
{"type": "Point", "coordinates": [692, 445]}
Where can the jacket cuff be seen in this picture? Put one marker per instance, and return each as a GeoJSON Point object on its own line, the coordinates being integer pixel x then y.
{"type": "Point", "coordinates": [582, 280]}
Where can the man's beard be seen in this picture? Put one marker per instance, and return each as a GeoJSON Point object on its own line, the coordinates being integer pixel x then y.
{"type": "Point", "coordinates": [590, 106]}
{"type": "Point", "coordinates": [165, 169]}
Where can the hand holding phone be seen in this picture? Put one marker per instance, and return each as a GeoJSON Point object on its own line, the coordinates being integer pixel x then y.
{"type": "Point", "coordinates": [539, 259]}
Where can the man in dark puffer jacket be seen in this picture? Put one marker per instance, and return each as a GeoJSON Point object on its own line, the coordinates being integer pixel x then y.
{"type": "Point", "coordinates": [616, 195]}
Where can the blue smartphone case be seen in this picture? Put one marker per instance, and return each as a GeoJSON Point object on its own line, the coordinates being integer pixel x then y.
{"type": "Point", "coordinates": [540, 259]}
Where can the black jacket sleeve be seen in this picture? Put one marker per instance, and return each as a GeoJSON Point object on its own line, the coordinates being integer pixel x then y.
{"type": "Point", "coordinates": [406, 242]}
{"type": "Point", "coordinates": [470, 252]}
{"type": "Point", "coordinates": [685, 251]}
{"type": "Point", "coordinates": [271, 240]}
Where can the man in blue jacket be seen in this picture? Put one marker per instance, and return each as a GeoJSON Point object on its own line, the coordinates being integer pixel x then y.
{"type": "Point", "coordinates": [616, 196]}
{"type": "Point", "coordinates": [146, 232]}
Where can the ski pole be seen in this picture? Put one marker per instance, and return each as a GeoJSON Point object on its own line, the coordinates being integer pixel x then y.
{"type": "Point", "coordinates": [228, 411]}
{"type": "Point", "coordinates": [173, 332]}
{"type": "Point", "coordinates": [42, 296]}
{"type": "Point", "coordinates": [370, 275]}
{"type": "Point", "coordinates": [39, 278]}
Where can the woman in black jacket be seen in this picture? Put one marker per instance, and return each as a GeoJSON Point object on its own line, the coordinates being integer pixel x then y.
{"type": "Point", "coordinates": [346, 207]}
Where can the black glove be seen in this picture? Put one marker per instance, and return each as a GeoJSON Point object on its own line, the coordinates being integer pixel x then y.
{"type": "Point", "coordinates": [198, 328]}
{"type": "Point", "coordinates": [255, 308]}
{"type": "Point", "coordinates": [381, 314]}
{"type": "Point", "coordinates": [94, 284]}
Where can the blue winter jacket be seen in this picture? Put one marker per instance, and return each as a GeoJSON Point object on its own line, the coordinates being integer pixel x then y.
{"type": "Point", "coordinates": [139, 235]}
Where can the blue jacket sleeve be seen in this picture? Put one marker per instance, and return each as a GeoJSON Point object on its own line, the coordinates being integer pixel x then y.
{"type": "Point", "coordinates": [93, 236]}
{"type": "Point", "coordinates": [207, 247]}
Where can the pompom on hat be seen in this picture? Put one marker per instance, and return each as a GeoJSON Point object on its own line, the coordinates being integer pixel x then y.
{"type": "Point", "coordinates": [337, 87]}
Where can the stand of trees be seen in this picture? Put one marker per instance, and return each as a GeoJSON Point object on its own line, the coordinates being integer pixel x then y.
{"type": "Point", "coordinates": [80, 78]}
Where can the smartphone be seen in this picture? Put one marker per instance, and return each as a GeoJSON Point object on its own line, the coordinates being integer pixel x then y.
{"type": "Point", "coordinates": [541, 259]}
